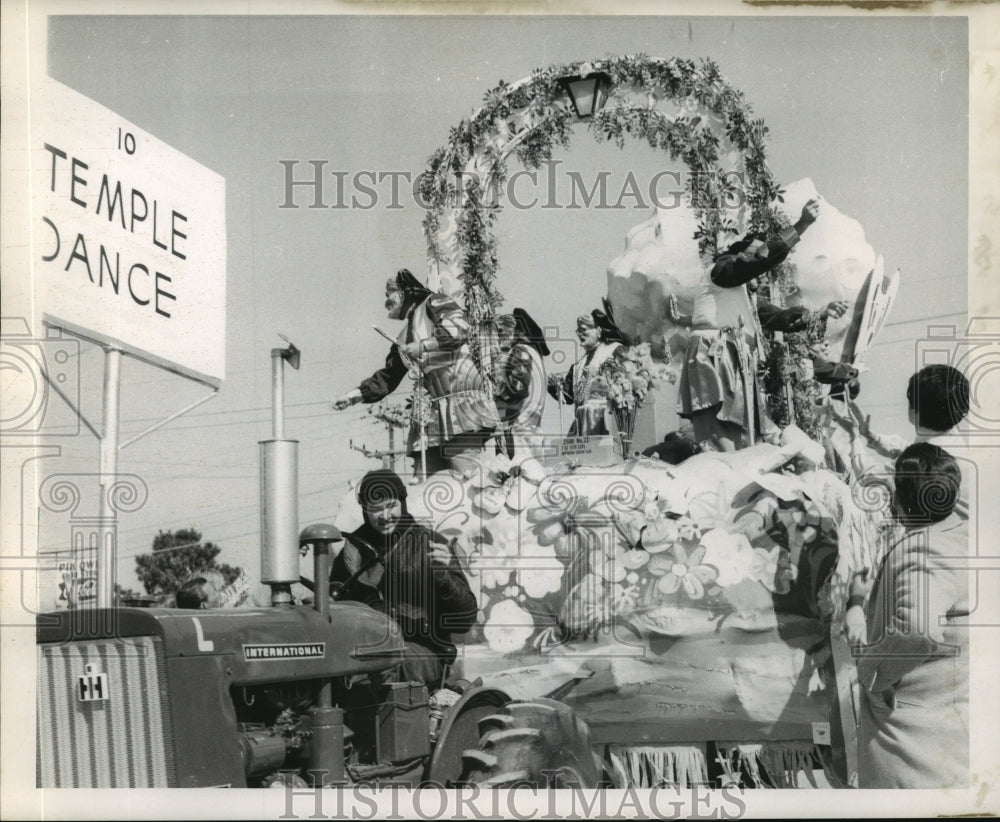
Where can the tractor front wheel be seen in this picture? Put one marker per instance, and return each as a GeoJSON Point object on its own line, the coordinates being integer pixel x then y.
{"type": "Point", "coordinates": [538, 743]}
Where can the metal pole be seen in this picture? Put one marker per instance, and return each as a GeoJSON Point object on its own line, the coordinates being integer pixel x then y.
{"type": "Point", "coordinates": [559, 406]}
{"type": "Point", "coordinates": [279, 491]}
{"type": "Point", "coordinates": [326, 744]}
{"type": "Point", "coordinates": [166, 420]}
{"type": "Point", "coordinates": [389, 461]}
{"type": "Point", "coordinates": [106, 549]}
{"type": "Point", "coordinates": [277, 394]}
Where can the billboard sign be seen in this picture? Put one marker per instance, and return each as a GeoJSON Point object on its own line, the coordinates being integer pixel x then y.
{"type": "Point", "coordinates": [128, 237]}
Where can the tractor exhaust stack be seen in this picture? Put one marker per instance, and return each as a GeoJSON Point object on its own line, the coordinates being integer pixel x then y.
{"type": "Point", "coordinates": [279, 487]}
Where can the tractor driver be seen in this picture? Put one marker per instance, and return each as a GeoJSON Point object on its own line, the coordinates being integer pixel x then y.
{"type": "Point", "coordinates": [408, 571]}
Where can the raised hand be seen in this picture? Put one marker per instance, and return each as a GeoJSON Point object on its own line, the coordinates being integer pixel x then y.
{"type": "Point", "coordinates": [413, 350]}
{"type": "Point", "coordinates": [810, 211]}
{"type": "Point", "coordinates": [864, 420]}
{"type": "Point", "coordinates": [835, 309]}
{"type": "Point", "coordinates": [849, 424]}
{"type": "Point", "coordinates": [346, 400]}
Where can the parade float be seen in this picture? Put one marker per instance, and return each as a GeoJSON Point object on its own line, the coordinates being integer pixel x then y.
{"type": "Point", "coordinates": [684, 612]}
{"type": "Point", "coordinates": [640, 624]}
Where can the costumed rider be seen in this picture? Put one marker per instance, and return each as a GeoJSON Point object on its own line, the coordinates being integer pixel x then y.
{"type": "Point", "coordinates": [520, 390]}
{"type": "Point", "coordinates": [582, 385]}
{"type": "Point", "coordinates": [718, 389]}
{"type": "Point", "coordinates": [409, 572]}
{"type": "Point", "coordinates": [434, 344]}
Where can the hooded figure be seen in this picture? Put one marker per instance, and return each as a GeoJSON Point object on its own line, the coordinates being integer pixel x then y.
{"type": "Point", "coordinates": [601, 339]}
{"type": "Point", "coordinates": [407, 571]}
{"type": "Point", "coordinates": [520, 389]}
{"type": "Point", "coordinates": [434, 346]}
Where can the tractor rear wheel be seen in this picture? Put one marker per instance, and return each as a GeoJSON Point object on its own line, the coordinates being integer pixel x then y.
{"type": "Point", "coordinates": [537, 743]}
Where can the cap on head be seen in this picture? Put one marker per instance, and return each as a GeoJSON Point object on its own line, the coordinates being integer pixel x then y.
{"type": "Point", "coordinates": [529, 331]}
{"type": "Point", "coordinates": [410, 285]}
{"type": "Point", "coordinates": [380, 486]}
{"type": "Point", "coordinates": [605, 321]}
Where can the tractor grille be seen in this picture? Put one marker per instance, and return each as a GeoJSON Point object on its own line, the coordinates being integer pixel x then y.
{"type": "Point", "coordinates": [124, 740]}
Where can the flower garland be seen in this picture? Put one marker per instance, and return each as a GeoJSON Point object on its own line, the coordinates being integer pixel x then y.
{"type": "Point", "coordinates": [531, 118]}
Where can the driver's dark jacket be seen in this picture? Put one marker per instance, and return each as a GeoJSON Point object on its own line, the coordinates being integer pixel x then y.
{"type": "Point", "coordinates": [428, 601]}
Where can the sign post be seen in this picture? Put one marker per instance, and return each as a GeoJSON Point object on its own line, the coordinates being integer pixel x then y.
{"type": "Point", "coordinates": [107, 546]}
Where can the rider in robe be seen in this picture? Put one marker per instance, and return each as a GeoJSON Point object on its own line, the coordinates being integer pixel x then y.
{"type": "Point", "coordinates": [520, 391]}
{"type": "Point", "coordinates": [433, 344]}
{"type": "Point", "coordinates": [718, 389]}
{"type": "Point", "coordinates": [601, 339]}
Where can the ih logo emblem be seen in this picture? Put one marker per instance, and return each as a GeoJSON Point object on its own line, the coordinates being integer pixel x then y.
{"type": "Point", "coordinates": [92, 686]}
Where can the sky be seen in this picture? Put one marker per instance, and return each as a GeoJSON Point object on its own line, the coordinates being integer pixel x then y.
{"type": "Point", "coordinates": [873, 110]}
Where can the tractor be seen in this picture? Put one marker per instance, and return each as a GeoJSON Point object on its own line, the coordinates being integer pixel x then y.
{"type": "Point", "coordinates": [255, 697]}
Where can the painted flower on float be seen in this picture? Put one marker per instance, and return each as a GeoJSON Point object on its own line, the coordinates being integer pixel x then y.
{"type": "Point", "coordinates": [608, 562]}
{"type": "Point", "coordinates": [562, 518]}
{"type": "Point", "coordinates": [557, 555]}
{"type": "Point", "coordinates": [651, 527]}
{"type": "Point", "coordinates": [730, 553]}
{"type": "Point", "coordinates": [508, 627]}
{"type": "Point", "coordinates": [496, 482]}
{"type": "Point", "coordinates": [540, 572]}
{"type": "Point", "coordinates": [684, 571]}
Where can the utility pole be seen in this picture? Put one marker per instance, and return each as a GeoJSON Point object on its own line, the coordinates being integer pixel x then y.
{"type": "Point", "coordinates": [388, 457]}
{"type": "Point", "coordinates": [392, 419]}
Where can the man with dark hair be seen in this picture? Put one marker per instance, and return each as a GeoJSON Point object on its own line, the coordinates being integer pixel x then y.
{"type": "Point", "coordinates": [913, 729]}
{"type": "Point", "coordinates": [434, 343]}
{"type": "Point", "coordinates": [200, 590]}
{"type": "Point", "coordinates": [408, 571]}
{"type": "Point", "coordinates": [937, 398]}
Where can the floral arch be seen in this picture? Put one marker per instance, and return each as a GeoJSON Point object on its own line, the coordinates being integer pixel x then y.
{"type": "Point", "coordinates": [686, 109]}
